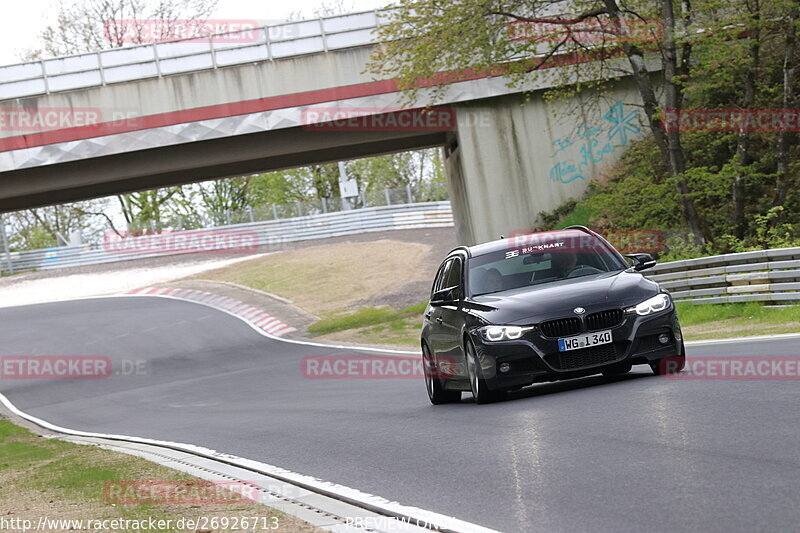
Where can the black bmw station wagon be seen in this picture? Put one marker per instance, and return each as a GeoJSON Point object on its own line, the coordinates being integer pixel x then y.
{"type": "Point", "coordinates": [543, 307]}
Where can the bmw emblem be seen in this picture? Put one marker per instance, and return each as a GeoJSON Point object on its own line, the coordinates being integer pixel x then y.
{"type": "Point", "coordinates": [579, 310]}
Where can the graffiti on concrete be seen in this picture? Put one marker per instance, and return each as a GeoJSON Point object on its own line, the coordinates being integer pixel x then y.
{"type": "Point", "coordinates": [593, 142]}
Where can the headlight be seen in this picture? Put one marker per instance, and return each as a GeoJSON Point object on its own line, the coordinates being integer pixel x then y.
{"type": "Point", "coordinates": [651, 305]}
{"type": "Point", "coordinates": [502, 333]}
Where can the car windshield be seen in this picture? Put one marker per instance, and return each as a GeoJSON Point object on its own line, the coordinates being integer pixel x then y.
{"type": "Point", "coordinates": [541, 262]}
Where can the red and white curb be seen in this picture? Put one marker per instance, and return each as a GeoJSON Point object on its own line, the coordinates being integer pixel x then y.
{"type": "Point", "coordinates": [255, 316]}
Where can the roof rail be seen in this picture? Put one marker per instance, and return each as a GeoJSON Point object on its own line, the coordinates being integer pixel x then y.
{"type": "Point", "coordinates": [581, 228]}
{"type": "Point", "coordinates": [462, 248]}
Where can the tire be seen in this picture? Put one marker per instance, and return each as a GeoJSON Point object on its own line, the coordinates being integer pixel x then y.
{"type": "Point", "coordinates": [669, 365]}
{"type": "Point", "coordinates": [617, 370]}
{"type": "Point", "coordinates": [437, 394]}
{"type": "Point", "coordinates": [477, 384]}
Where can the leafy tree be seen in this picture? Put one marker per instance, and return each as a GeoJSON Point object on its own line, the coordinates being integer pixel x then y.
{"type": "Point", "coordinates": [221, 197]}
{"type": "Point", "coordinates": [280, 187]}
{"type": "Point", "coordinates": [50, 226]}
{"type": "Point", "coordinates": [143, 210]}
{"type": "Point", "coordinates": [428, 43]}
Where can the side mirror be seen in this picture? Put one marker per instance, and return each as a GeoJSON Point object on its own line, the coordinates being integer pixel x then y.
{"type": "Point", "coordinates": [641, 261]}
{"type": "Point", "coordinates": [444, 297]}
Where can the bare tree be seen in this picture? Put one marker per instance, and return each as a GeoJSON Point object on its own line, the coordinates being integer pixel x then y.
{"type": "Point", "coordinates": [93, 25]}
{"type": "Point", "coordinates": [51, 226]}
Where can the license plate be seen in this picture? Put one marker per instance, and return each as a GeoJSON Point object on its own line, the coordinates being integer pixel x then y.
{"type": "Point", "coordinates": [584, 341]}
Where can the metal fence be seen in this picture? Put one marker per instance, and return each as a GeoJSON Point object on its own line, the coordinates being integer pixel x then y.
{"type": "Point", "coordinates": [759, 276]}
{"type": "Point", "coordinates": [238, 238]}
{"type": "Point", "coordinates": [369, 197]}
{"type": "Point", "coordinates": [117, 65]}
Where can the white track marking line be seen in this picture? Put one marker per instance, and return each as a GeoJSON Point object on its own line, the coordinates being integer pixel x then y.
{"type": "Point", "coordinates": [359, 348]}
{"type": "Point", "coordinates": [774, 337]}
{"type": "Point", "coordinates": [343, 492]}
{"type": "Point", "coordinates": [269, 335]}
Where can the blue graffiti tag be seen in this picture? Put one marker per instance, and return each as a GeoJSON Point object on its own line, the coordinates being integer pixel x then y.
{"type": "Point", "coordinates": [565, 172]}
{"type": "Point", "coordinates": [622, 123]}
{"type": "Point", "coordinates": [619, 125]}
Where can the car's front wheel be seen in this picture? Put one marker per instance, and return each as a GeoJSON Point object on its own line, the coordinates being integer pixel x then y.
{"type": "Point", "coordinates": [669, 365]}
{"type": "Point", "coordinates": [617, 370]}
{"type": "Point", "coordinates": [481, 392]}
{"type": "Point", "coordinates": [436, 391]}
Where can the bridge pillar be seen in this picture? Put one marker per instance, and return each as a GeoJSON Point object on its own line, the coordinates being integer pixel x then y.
{"type": "Point", "coordinates": [511, 159]}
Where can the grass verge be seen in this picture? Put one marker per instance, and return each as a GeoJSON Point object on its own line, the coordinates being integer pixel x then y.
{"type": "Point", "coordinates": [372, 325]}
{"type": "Point", "coordinates": [320, 279]}
{"type": "Point", "coordinates": [61, 481]}
{"type": "Point", "coordinates": [381, 325]}
{"type": "Point", "coordinates": [717, 321]}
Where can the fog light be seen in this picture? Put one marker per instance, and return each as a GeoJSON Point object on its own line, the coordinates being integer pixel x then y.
{"type": "Point", "coordinates": [663, 338]}
{"type": "Point", "coordinates": [504, 367]}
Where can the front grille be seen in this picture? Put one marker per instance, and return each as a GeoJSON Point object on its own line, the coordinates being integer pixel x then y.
{"type": "Point", "coordinates": [604, 319]}
{"type": "Point", "coordinates": [596, 355]}
{"type": "Point", "coordinates": [561, 327]}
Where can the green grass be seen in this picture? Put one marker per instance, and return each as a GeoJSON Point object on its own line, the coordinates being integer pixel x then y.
{"type": "Point", "coordinates": [711, 321]}
{"type": "Point", "coordinates": [382, 325]}
{"type": "Point", "coordinates": [577, 217]}
{"type": "Point", "coordinates": [77, 478]}
{"type": "Point", "coordinates": [17, 449]}
{"type": "Point", "coordinates": [7, 429]}
{"type": "Point", "coordinates": [71, 477]}
{"type": "Point", "coordinates": [751, 312]}
{"type": "Point", "coordinates": [381, 317]}
{"type": "Point", "coordinates": [21, 453]}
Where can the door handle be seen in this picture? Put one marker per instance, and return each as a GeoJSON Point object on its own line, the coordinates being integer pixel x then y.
{"type": "Point", "coordinates": [428, 315]}
{"type": "Point", "coordinates": [439, 319]}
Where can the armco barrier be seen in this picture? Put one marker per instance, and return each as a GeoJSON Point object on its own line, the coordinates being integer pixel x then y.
{"type": "Point", "coordinates": [763, 275]}
{"type": "Point", "coordinates": [270, 235]}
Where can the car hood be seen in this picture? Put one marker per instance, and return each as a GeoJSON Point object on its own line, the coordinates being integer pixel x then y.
{"type": "Point", "coordinates": [532, 304]}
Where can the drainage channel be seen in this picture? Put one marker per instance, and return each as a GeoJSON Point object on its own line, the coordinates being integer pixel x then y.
{"type": "Point", "coordinates": [318, 509]}
{"type": "Point", "coordinates": [324, 505]}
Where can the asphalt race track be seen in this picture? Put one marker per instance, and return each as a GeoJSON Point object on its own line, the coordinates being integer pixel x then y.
{"type": "Point", "coordinates": [639, 453]}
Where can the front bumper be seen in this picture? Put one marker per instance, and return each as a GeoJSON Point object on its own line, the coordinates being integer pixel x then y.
{"type": "Point", "coordinates": [535, 357]}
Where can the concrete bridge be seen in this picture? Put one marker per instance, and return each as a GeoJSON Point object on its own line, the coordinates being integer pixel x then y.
{"type": "Point", "coordinates": [171, 113]}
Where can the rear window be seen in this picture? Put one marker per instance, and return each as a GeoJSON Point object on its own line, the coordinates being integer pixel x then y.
{"type": "Point", "coordinates": [540, 262]}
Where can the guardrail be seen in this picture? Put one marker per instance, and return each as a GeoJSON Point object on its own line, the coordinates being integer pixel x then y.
{"type": "Point", "coordinates": [760, 276]}
{"type": "Point", "coordinates": [260, 236]}
{"type": "Point", "coordinates": [265, 43]}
